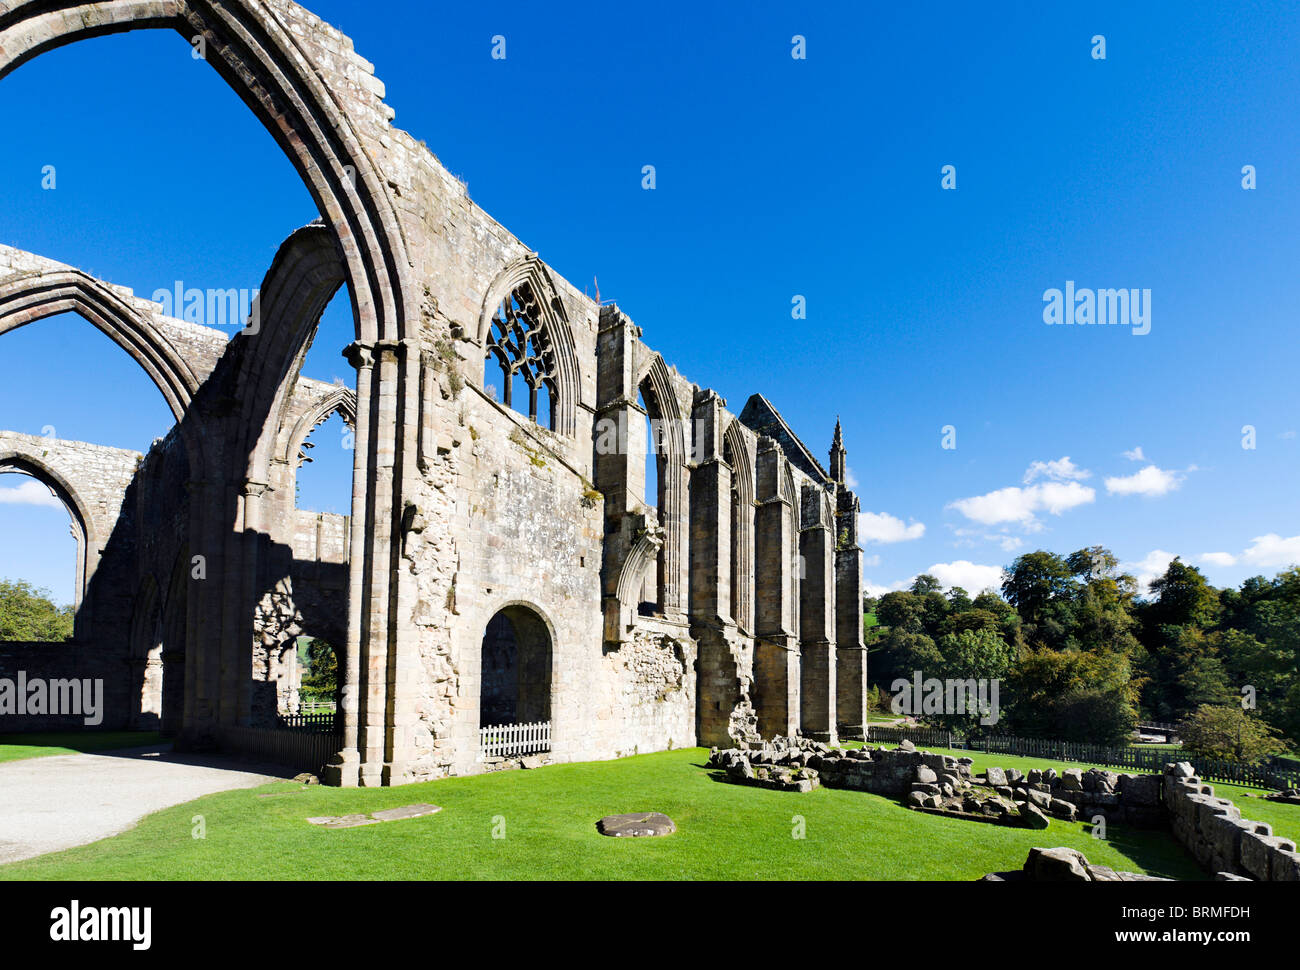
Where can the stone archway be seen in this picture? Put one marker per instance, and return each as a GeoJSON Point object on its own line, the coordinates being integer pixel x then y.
{"type": "Point", "coordinates": [516, 682]}
{"type": "Point", "coordinates": [301, 81]}
{"type": "Point", "coordinates": [85, 531]}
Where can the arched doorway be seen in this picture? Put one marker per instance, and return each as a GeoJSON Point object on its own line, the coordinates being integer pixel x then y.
{"type": "Point", "coordinates": [515, 694]}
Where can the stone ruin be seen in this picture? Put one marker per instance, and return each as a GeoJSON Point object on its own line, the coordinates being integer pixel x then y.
{"type": "Point", "coordinates": [1066, 865]}
{"type": "Point", "coordinates": [1216, 835]}
{"type": "Point", "coordinates": [502, 562]}
{"type": "Point", "coordinates": [1210, 828]}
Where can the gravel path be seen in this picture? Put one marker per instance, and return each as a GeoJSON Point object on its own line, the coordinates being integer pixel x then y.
{"type": "Point", "coordinates": [48, 804]}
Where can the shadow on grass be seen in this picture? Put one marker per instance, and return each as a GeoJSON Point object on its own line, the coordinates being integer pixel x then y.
{"type": "Point", "coordinates": [1154, 849]}
{"type": "Point", "coordinates": [38, 744]}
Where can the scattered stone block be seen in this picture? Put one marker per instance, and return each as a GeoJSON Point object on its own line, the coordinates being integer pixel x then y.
{"type": "Point", "coordinates": [1033, 817]}
{"type": "Point", "coordinates": [636, 825]}
{"type": "Point", "coordinates": [1057, 865]}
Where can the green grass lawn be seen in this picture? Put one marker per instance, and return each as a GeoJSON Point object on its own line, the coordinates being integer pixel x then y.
{"type": "Point", "coordinates": [548, 817]}
{"type": "Point", "coordinates": [16, 747]}
{"type": "Point", "coordinates": [1285, 819]}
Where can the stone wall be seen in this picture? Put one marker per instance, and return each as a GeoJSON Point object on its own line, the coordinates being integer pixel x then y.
{"type": "Point", "coordinates": [64, 662]}
{"type": "Point", "coordinates": [1218, 838]}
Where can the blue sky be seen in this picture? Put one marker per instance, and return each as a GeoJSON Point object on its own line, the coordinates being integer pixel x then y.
{"type": "Point", "coordinates": [776, 177]}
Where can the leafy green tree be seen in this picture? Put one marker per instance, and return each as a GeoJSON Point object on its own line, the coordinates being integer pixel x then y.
{"type": "Point", "coordinates": [29, 614]}
{"type": "Point", "coordinates": [1072, 695]}
{"type": "Point", "coordinates": [900, 611]}
{"type": "Point", "coordinates": [900, 653]}
{"type": "Point", "coordinates": [959, 600]}
{"type": "Point", "coordinates": [1228, 733]}
{"type": "Point", "coordinates": [1041, 586]}
{"type": "Point", "coordinates": [925, 583]}
{"type": "Point", "coordinates": [971, 655]}
{"type": "Point", "coordinates": [323, 680]}
{"type": "Point", "coordinates": [1183, 597]}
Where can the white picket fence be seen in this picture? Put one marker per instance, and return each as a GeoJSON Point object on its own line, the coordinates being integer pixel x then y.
{"type": "Point", "coordinates": [507, 740]}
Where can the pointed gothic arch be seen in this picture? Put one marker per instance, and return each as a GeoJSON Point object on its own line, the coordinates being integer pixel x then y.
{"type": "Point", "coordinates": [30, 297]}
{"type": "Point", "coordinates": [735, 452]}
{"type": "Point", "coordinates": [251, 46]}
{"type": "Point", "coordinates": [83, 524]}
{"type": "Point", "coordinates": [526, 281]}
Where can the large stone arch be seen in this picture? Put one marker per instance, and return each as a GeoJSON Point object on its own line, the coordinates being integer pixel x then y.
{"type": "Point", "coordinates": [251, 47]}
{"type": "Point", "coordinates": [28, 298]}
{"type": "Point", "coordinates": [535, 641]}
{"type": "Point", "coordinates": [341, 400]}
{"type": "Point", "coordinates": [304, 276]}
{"type": "Point", "coordinates": [736, 453]}
{"type": "Point", "coordinates": [673, 451]}
{"type": "Point", "coordinates": [310, 96]}
{"type": "Point", "coordinates": [531, 270]}
{"type": "Point", "coordinates": [84, 529]}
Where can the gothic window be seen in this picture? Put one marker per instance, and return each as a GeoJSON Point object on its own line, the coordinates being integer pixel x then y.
{"type": "Point", "coordinates": [521, 344]}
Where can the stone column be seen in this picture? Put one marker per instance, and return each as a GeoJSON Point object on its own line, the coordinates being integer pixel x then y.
{"type": "Point", "coordinates": [344, 769]}
{"type": "Point", "coordinates": [403, 675]}
{"type": "Point", "coordinates": [776, 646]}
{"type": "Point", "coordinates": [850, 645]}
{"type": "Point", "coordinates": [720, 690]}
{"type": "Point", "coordinates": [817, 617]}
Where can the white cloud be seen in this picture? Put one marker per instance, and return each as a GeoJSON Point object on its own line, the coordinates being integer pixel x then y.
{"type": "Point", "coordinates": [1061, 470]}
{"type": "Point", "coordinates": [1152, 567]}
{"type": "Point", "coordinates": [29, 492]}
{"type": "Point", "coordinates": [1135, 454]}
{"type": "Point", "coordinates": [1272, 551]}
{"type": "Point", "coordinates": [871, 561]}
{"type": "Point", "coordinates": [970, 576]}
{"type": "Point", "coordinates": [884, 528]}
{"type": "Point", "coordinates": [1219, 558]}
{"type": "Point", "coordinates": [850, 479]}
{"type": "Point", "coordinates": [871, 589]}
{"type": "Point", "coordinates": [1022, 505]}
{"type": "Point", "coordinates": [1150, 481]}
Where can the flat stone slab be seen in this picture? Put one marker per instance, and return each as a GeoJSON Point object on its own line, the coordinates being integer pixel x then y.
{"type": "Point", "coordinates": [636, 825]}
{"type": "Point", "coordinates": [343, 821]}
{"type": "Point", "coordinates": [374, 818]}
{"type": "Point", "coordinates": [405, 811]}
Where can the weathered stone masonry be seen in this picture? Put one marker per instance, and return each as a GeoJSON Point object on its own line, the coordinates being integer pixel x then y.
{"type": "Point", "coordinates": [726, 605]}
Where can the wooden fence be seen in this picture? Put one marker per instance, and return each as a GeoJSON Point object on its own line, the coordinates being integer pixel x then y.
{"type": "Point", "coordinates": [325, 721]}
{"type": "Point", "coordinates": [507, 740]}
{"type": "Point", "coordinates": [304, 749]}
{"type": "Point", "coordinates": [1151, 760]}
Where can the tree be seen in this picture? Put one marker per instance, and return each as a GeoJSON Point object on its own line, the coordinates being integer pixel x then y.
{"type": "Point", "coordinates": [900, 654]}
{"type": "Point", "coordinates": [323, 680]}
{"type": "Point", "coordinates": [27, 613]}
{"type": "Point", "coordinates": [978, 656]}
{"type": "Point", "coordinates": [959, 600]}
{"type": "Point", "coordinates": [1183, 597]}
{"type": "Point", "coordinates": [1035, 580]}
{"type": "Point", "coordinates": [1095, 562]}
{"type": "Point", "coordinates": [900, 611]}
{"type": "Point", "coordinates": [1073, 695]}
{"type": "Point", "coordinates": [1228, 733]}
{"type": "Point", "coordinates": [925, 583]}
